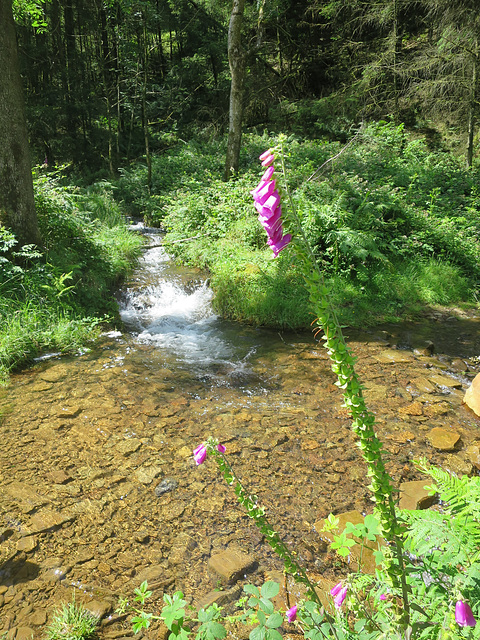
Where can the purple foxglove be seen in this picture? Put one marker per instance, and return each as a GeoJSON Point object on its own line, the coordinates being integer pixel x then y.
{"type": "Point", "coordinates": [268, 174]}
{"type": "Point", "coordinates": [222, 448]}
{"type": "Point", "coordinates": [265, 192]}
{"type": "Point", "coordinates": [464, 615]}
{"type": "Point", "coordinates": [265, 215]}
{"type": "Point", "coordinates": [277, 247]}
{"type": "Point", "coordinates": [275, 236]}
{"type": "Point", "coordinates": [267, 158]}
{"type": "Point", "coordinates": [383, 596]}
{"type": "Point", "coordinates": [340, 597]}
{"type": "Point", "coordinates": [335, 590]}
{"type": "Point", "coordinates": [271, 226]}
{"type": "Point", "coordinates": [292, 613]}
{"type": "Point", "coordinates": [265, 154]}
{"type": "Point", "coordinates": [200, 453]}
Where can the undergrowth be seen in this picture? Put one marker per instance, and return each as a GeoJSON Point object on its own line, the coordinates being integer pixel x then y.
{"type": "Point", "coordinates": [394, 225]}
{"type": "Point", "coordinates": [55, 297]}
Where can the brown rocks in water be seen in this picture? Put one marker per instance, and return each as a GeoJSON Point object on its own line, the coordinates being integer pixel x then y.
{"type": "Point", "coordinates": [472, 395]}
{"type": "Point", "coordinates": [442, 439]}
{"type": "Point", "coordinates": [445, 381]}
{"type": "Point", "coordinates": [413, 495]}
{"type": "Point", "coordinates": [427, 349]}
{"type": "Point", "coordinates": [360, 556]}
{"type": "Point", "coordinates": [392, 356]}
{"type": "Point", "coordinates": [413, 409]}
{"type": "Point", "coordinates": [231, 564]}
{"type": "Point", "coordinates": [220, 598]}
{"type": "Point", "coordinates": [472, 453]}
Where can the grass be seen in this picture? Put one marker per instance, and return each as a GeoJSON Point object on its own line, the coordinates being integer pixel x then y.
{"type": "Point", "coordinates": [55, 297]}
{"type": "Point", "coordinates": [394, 225]}
{"type": "Point", "coordinates": [72, 622]}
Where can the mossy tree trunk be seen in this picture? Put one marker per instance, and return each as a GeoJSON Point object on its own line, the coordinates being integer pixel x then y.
{"type": "Point", "coordinates": [17, 204]}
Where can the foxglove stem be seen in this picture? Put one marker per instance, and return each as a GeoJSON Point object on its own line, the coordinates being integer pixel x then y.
{"type": "Point", "coordinates": [342, 363]}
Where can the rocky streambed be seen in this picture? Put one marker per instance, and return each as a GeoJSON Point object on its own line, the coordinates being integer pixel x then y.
{"type": "Point", "coordinates": [99, 489]}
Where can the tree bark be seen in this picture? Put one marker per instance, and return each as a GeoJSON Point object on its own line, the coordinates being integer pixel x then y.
{"type": "Point", "coordinates": [17, 204]}
{"type": "Point", "coordinates": [236, 60]}
{"type": "Point", "coordinates": [472, 108]}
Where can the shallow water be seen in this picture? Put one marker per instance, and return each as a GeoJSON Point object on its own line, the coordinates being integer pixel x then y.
{"type": "Point", "coordinates": [91, 442]}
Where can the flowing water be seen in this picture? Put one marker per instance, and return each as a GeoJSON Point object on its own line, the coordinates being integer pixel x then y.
{"type": "Point", "coordinates": [99, 487]}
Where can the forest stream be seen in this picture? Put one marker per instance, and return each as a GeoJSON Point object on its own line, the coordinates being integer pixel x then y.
{"type": "Point", "coordinates": [99, 488]}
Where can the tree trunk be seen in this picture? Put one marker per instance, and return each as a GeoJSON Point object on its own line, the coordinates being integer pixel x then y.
{"type": "Point", "coordinates": [472, 109]}
{"type": "Point", "coordinates": [17, 204]}
{"type": "Point", "coordinates": [236, 59]}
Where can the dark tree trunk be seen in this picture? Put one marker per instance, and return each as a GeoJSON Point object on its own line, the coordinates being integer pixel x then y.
{"type": "Point", "coordinates": [472, 108]}
{"type": "Point", "coordinates": [17, 204]}
{"type": "Point", "coordinates": [236, 59]}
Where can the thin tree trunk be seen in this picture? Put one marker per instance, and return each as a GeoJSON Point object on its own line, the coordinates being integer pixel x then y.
{"type": "Point", "coordinates": [236, 59]}
{"type": "Point", "coordinates": [472, 108]}
{"type": "Point", "coordinates": [17, 204]}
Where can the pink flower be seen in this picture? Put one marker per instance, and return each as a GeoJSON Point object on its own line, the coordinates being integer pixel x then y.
{"type": "Point", "coordinates": [222, 448]}
{"type": "Point", "coordinates": [267, 203]}
{"type": "Point", "coordinates": [292, 613]}
{"type": "Point", "coordinates": [340, 596]}
{"type": "Point", "coordinates": [336, 589]}
{"type": "Point", "coordinates": [383, 596]}
{"type": "Point", "coordinates": [464, 615]}
{"type": "Point", "coordinates": [200, 454]}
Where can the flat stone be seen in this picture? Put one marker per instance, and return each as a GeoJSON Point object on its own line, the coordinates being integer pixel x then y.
{"type": "Point", "coordinates": [220, 598]}
{"type": "Point", "coordinates": [437, 409]}
{"type": "Point", "coordinates": [146, 475]}
{"type": "Point", "coordinates": [24, 633]}
{"type": "Point", "coordinates": [423, 385]}
{"type": "Point", "coordinates": [37, 618]}
{"type": "Point", "coordinates": [413, 495]}
{"type": "Point", "coordinates": [392, 356]}
{"type": "Point", "coordinates": [27, 544]}
{"type": "Point", "coordinates": [445, 381]}
{"type": "Point", "coordinates": [472, 395]}
{"type": "Point", "coordinates": [413, 409]}
{"type": "Point", "coordinates": [442, 439]}
{"type": "Point", "coordinates": [358, 557]}
{"type": "Point", "coordinates": [129, 446]}
{"type": "Point", "coordinates": [98, 608]}
{"type": "Point", "coordinates": [47, 520]}
{"type": "Point", "coordinates": [231, 564]}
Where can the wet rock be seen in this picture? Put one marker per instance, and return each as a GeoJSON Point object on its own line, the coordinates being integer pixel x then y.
{"type": "Point", "coordinates": [220, 598]}
{"type": "Point", "coordinates": [392, 356]}
{"type": "Point", "coordinates": [423, 385]}
{"type": "Point", "coordinates": [472, 453]}
{"type": "Point", "coordinates": [129, 446]}
{"type": "Point", "coordinates": [442, 439]}
{"type": "Point", "coordinates": [47, 520]}
{"type": "Point", "coordinates": [472, 395]}
{"type": "Point", "coordinates": [437, 409]}
{"type": "Point", "coordinates": [445, 381]}
{"type": "Point", "coordinates": [146, 475]}
{"type": "Point", "coordinates": [37, 618]}
{"type": "Point", "coordinates": [166, 485]}
{"type": "Point", "coordinates": [359, 556]}
{"type": "Point", "coordinates": [154, 573]}
{"type": "Point", "coordinates": [458, 464]}
{"type": "Point", "coordinates": [27, 544]}
{"type": "Point", "coordinates": [413, 409]}
{"type": "Point", "coordinates": [426, 350]}
{"type": "Point", "coordinates": [413, 495]}
{"type": "Point", "coordinates": [29, 498]}
{"type": "Point", "coordinates": [24, 633]}
{"type": "Point", "coordinates": [98, 608]}
{"type": "Point", "coordinates": [231, 564]}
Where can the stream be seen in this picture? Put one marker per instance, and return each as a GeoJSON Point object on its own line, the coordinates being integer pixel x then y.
{"type": "Point", "coordinates": [99, 489]}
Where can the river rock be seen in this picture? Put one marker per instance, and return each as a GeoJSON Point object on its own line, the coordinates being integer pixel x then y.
{"type": "Point", "coordinates": [392, 356]}
{"type": "Point", "coordinates": [413, 495]}
{"type": "Point", "coordinates": [231, 564]}
{"type": "Point", "coordinates": [129, 446]}
{"type": "Point", "coordinates": [220, 598]}
{"type": "Point", "coordinates": [442, 439]}
{"type": "Point", "coordinates": [413, 409]}
{"type": "Point", "coordinates": [166, 485]}
{"type": "Point", "coordinates": [146, 475]}
{"type": "Point", "coordinates": [98, 608]}
{"type": "Point", "coordinates": [473, 454]}
{"type": "Point", "coordinates": [47, 520]}
{"type": "Point", "coordinates": [423, 385]}
{"type": "Point", "coordinates": [472, 395]}
{"type": "Point", "coordinates": [445, 381]}
{"type": "Point", "coordinates": [24, 633]}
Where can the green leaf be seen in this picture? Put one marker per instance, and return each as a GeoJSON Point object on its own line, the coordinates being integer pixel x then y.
{"type": "Point", "coordinates": [274, 621]}
{"type": "Point", "coordinates": [257, 634]}
{"type": "Point", "coordinates": [270, 589]}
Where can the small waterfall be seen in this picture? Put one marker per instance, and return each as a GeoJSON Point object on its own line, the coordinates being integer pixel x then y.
{"type": "Point", "coordinates": [168, 308]}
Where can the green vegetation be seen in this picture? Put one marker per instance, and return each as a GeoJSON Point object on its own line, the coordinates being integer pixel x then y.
{"type": "Point", "coordinates": [72, 622]}
{"type": "Point", "coordinates": [393, 223]}
{"type": "Point", "coordinates": [55, 298]}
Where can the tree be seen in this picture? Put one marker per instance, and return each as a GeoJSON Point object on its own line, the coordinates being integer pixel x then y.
{"type": "Point", "coordinates": [236, 60]}
{"type": "Point", "coordinates": [17, 204]}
